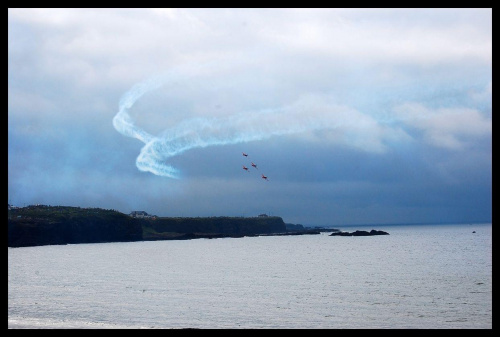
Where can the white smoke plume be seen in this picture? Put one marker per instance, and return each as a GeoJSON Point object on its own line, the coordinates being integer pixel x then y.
{"type": "Point", "coordinates": [306, 114]}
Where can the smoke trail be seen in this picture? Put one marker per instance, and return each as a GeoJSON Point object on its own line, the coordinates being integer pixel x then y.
{"type": "Point", "coordinates": [306, 114]}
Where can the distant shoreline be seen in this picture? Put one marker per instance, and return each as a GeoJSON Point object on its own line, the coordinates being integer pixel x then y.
{"type": "Point", "coordinates": [40, 225]}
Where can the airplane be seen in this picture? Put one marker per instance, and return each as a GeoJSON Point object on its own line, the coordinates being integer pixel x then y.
{"type": "Point", "coordinates": [245, 168]}
{"type": "Point", "coordinates": [264, 177]}
{"type": "Point", "coordinates": [246, 155]}
{"type": "Point", "coordinates": [254, 165]}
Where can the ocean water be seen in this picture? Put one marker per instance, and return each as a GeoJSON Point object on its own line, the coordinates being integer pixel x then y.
{"type": "Point", "coordinates": [418, 277]}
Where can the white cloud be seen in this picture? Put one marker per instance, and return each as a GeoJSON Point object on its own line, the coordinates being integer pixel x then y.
{"type": "Point", "coordinates": [450, 128]}
{"type": "Point", "coordinates": [404, 36]}
{"type": "Point", "coordinates": [155, 34]}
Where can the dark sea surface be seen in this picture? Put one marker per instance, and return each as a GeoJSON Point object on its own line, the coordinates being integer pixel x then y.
{"type": "Point", "coordinates": [418, 277]}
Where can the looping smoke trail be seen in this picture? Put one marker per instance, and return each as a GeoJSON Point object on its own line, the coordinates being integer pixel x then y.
{"type": "Point", "coordinates": [304, 115]}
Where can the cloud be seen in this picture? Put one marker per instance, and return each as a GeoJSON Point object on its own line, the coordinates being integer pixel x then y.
{"type": "Point", "coordinates": [451, 128]}
{"type": "Point", "coordinates": [367, 103]}
{"type": "Point", "coordinates": [307, 114]}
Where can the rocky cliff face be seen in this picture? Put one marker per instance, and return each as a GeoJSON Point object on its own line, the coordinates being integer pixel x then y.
{"type": "Point", "coordinates": [46, 225]}
{"type": "Point", "coordinates": [52, 225]}
{"type": "Point", "coordinates": [238, 226]}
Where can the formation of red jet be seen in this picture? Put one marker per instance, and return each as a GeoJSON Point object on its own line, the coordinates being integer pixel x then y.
{"type": "Point", "coordinates": [253, 165]}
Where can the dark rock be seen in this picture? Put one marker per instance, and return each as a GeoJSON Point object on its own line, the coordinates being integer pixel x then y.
{"type": "Point", "coordinates": [359, 233]}
{"type": "Point", "coordinates": [59, 225]}
{"type": "Point", "coordinates": [226, 226]}
{"type": "Point", "coordinates": [375, 232]}
{"type": "Point", "coordinates": [294, 227]}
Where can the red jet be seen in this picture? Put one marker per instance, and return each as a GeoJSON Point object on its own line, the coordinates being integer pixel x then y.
{"type": "Point", "coordinates": [254, 165]}
{"type": "Point", "coordinates": [245, 168]}
{"type": "Point", "coordinates": [264, 177]}
{"type": "Point", "coordinates": [246, 155]}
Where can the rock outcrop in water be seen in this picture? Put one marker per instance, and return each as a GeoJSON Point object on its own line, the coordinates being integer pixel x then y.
{"type": "Point", "coordinates": [359, 233]}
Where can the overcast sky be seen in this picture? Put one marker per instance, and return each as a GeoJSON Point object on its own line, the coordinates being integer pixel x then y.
{"type": "Point", "coordinates": [356, 116]}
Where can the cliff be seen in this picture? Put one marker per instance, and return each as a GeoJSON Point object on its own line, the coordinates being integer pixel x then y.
{"type": "Point", "coordinates": [223, 226]}
{"type": "Point", "coordinates": [52, 225]}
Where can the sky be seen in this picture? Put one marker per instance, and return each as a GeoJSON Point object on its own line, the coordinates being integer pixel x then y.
{"type": "Point", "coordinates": [356, 116]}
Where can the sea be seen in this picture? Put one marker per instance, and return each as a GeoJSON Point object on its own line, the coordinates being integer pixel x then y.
{"type": "Point", "coordinates": [417, 277]}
